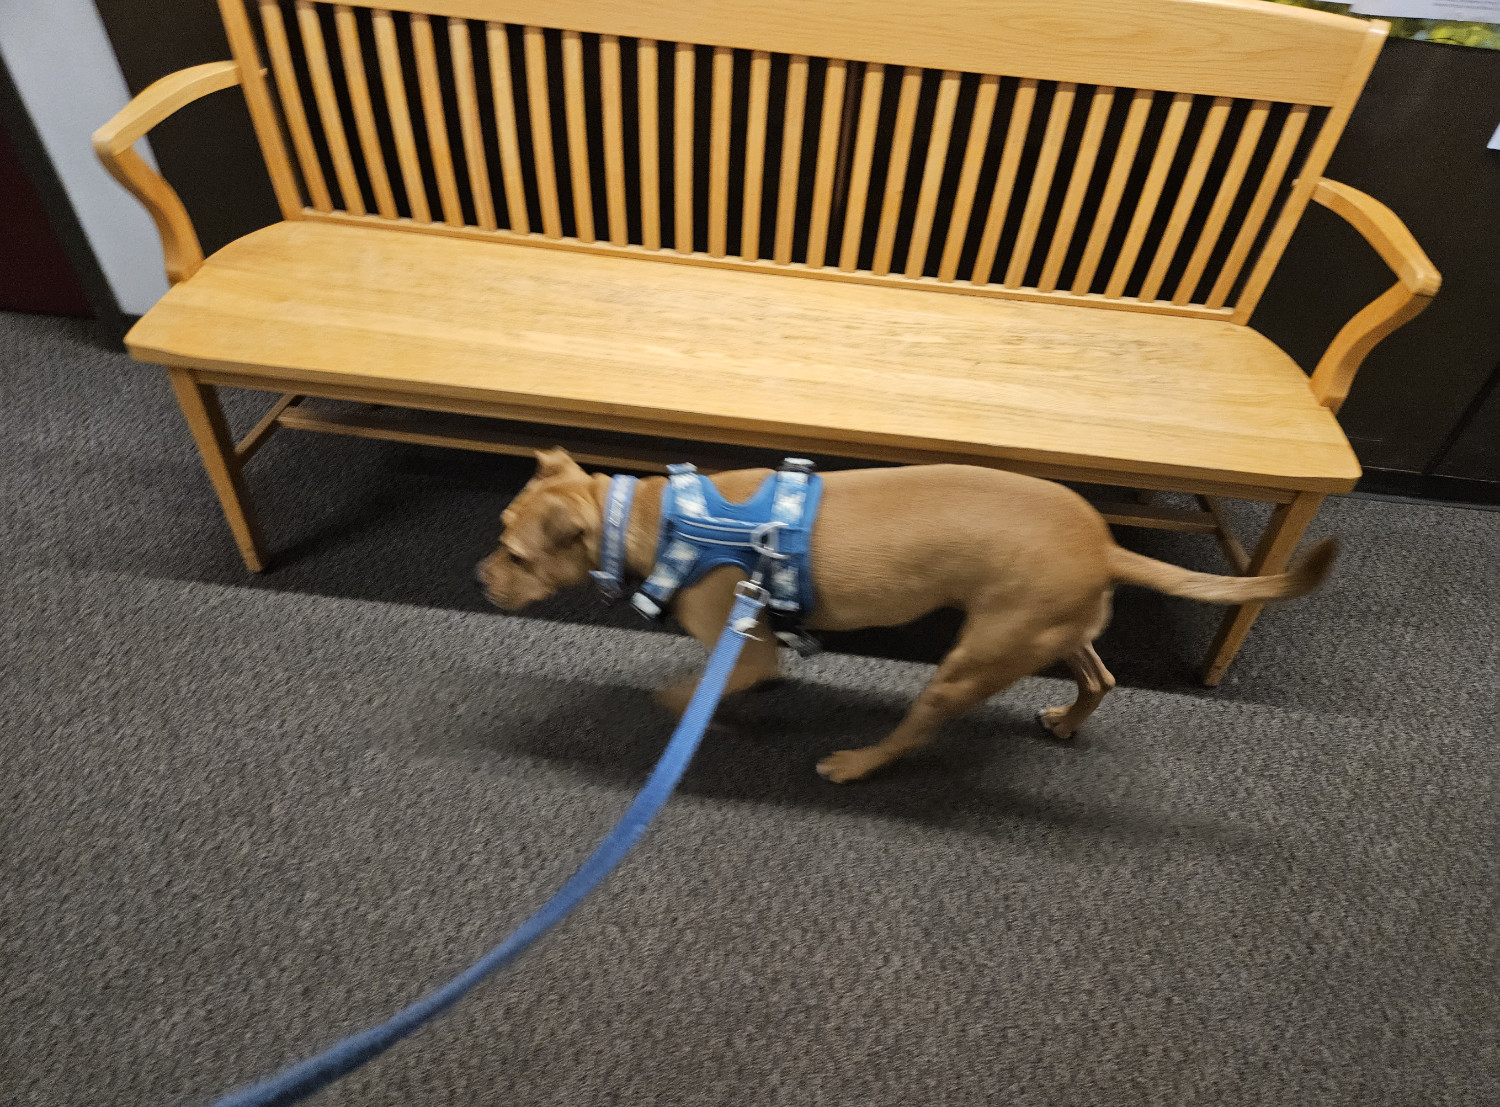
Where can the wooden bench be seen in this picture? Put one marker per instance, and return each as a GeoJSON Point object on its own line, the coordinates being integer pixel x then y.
{"type": "Point", "coordinates": [1029, 235]}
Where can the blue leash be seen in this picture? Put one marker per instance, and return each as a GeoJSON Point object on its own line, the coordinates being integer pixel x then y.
{"type": "Point", "coordinates": [303, 1079]}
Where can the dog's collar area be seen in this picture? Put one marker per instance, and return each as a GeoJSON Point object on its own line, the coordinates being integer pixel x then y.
{"type": "Point", "coordinates": [610, 576]}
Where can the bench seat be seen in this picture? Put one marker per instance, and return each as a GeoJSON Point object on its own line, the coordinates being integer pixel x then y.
{"type": "Point", "coordinates": [645, 346]}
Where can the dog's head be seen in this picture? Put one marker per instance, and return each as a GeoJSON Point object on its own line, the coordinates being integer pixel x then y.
{"type": "Point", "coordinates": [550, 538]}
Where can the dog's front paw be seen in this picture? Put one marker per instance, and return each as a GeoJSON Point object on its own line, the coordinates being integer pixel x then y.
{"type": "Point", "coordinates": [847, 765]}
{"type": "Point", "coordinates": [1054, 721]}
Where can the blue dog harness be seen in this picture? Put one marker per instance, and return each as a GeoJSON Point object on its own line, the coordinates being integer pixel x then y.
{"type": "Point", "coordinates": [768, 536]}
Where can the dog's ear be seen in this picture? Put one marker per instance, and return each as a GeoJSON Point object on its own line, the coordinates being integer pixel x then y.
{"type": "Point", "coordinates": [563, 521]}
{"type": "Point", "coordinates": [555, 462]}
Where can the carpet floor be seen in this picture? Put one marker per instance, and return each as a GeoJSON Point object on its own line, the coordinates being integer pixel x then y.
{"type": "Point", "coordinates": [243, 817]}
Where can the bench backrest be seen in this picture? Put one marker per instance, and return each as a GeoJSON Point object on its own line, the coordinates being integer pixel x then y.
{"type": "Point", "coordinates": [1149, 154]}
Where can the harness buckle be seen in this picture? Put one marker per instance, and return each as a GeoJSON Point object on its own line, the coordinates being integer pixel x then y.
{"type": "Point", "coordinates": [609, 585]}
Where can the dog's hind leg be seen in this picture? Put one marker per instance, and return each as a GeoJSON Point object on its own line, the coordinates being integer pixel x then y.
{"type": "Point", "coordinates": [991, 655]}
{"type": "Point", "coordinates": [1094, 683]}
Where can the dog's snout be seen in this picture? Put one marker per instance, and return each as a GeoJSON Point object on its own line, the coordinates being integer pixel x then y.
{"type": "Point", "coordinates": [479, 576]}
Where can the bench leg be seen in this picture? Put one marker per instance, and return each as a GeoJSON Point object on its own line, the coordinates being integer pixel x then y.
{"type": "Point", "coordinates": [1272, 555]}
{"type": "Point", "coordinates": [205, 418]}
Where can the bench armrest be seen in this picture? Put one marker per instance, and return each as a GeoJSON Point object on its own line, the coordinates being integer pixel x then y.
{"type": "Point", "coordinates": [1417, 282]}
{"type": "Point", "coordinates": [113, 141]}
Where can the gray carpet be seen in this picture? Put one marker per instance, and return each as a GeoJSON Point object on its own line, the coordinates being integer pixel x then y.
{"type": "Point", "coordinates": [244, 817]}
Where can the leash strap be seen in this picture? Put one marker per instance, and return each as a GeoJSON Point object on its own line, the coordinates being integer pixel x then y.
{"type": "Point", "coordinates": [610, 576]}
{"type": "Point", "coordinates": [303, 1079]}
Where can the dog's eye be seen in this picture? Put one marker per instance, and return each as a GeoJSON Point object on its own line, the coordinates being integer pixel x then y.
{"type": "Point", "coordinates": [515, 558]}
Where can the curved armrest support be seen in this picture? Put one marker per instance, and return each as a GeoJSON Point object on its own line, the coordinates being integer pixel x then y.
{"type": "Point", "coordinates": [1417, 282]}
{"type": "Point", "coordinates": [113, 141]}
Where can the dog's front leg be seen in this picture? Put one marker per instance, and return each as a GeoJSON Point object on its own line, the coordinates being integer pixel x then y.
{"type": "Point", "coordinates": [702, 610]}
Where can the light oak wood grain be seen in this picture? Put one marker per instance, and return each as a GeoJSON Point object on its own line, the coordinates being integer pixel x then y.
{"type": "Point", "coordinates": [895, 172]}
{"type": "Point", "coordinates": [357, 84]}
{"type": "Point", "coordinates": [567, 332]}
{"type": "Point", "coordinates": [1260, 205]}
{"type": "Point", "coordinates": [612, 106]}
{"type": "Point", "coordinates": [871, 85]}
{"type": "Point", "coordinates": [1078, 183]}
{"type": "Point", "coordinates": [578, 141]}
{"type": "Point", "coordinates": [467, 91]}
{"type": "Point", "coordinates": [274, 29]}
{"type": "Point", "coordinates": [335, 140]}
{"type": "Point", "coordinates": [1240, 48]}
{"type": "Point", "coordinates": [755, 154]}
{"type": "Point", "coordinates": [1187, 197]}
{"type": "Point", "coordinates": [649, 97]}
{"type": "Point", "coordinates": [828, 152]}
{"type": "Point", "coordinates": [685, 61]}
{"type": "Point", "coordinates": [544, 160]}
{"type": "Point", "coordinates": [399, 112]}
{"type": "Point", "coordinates": [1229, 189]}
{"type": "Point", "coordinates": [433, 115]}
{"type": "Point", "coordinates": [791, 158]}
{"type": "Point", "coordinates": [1005, 180]}
{"type": "Point", "coordinates": [502, 88]}
{"type": "Point", "coordinates": [718, 152]}
{"type": "Point", "coordinates": [968, 176]}
{"type": "Point", "coordinates": [1114, 188]}
{"type": "Point", "coordinates": [932, 173]}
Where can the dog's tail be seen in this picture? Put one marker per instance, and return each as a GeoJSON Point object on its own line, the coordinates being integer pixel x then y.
{"type": "Point", "coordinates": [1134, 568]}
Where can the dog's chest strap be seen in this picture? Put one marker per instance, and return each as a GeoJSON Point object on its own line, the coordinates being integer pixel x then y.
{"type": "Point", "coordinates": [769, 534]}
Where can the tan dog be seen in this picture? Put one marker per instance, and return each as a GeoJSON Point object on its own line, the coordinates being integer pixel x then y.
{"type": "Point", "coordinates": [1030, 563]}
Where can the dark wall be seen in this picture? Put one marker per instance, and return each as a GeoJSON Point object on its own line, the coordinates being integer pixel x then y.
{"type": "Point", "coordinates": [207, 150]}
{"type": "Point", "coordinates": [35, 274]}
{"type": "Point", "coordinates": [1416, 141]}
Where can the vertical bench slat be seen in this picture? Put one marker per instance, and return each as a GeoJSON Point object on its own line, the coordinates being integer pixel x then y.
{"type": "Point", "coordinates": [838, 177]}
{"type": "Point", "coordinates": [468, 119]}
{"type": "Point", "coordinates": [1187, 196]}
{"type": "Point", "coordinates": [328, 106]}
{"type": "Point", "coordinates": [791, 158]}
{"type": "Point", "coordinates": [1005, 180]}
{"type": "Point", "coordinates": [291, 104]}
{"type": "Point", "coordinates": [1270, 183]}
{"type": "Point", "coordinates": [650, 143]}
{"type": "Point", "coordinates": [545, 161]}
{"type": "Point", "coordinates": [872, 85]}
{"type": "Point", "coordinates": [1114, 188]}
{"type": "Point", "coordinates": [262, 112]}
{"type": "Point", "coordinates": [1041, 183]}
{"type": "Point", "coordinates": [685, 58]}
{"type": "Point", "coordinates": [932, 173]}
{"type": "Point", "coordinates": [1229, 189]}
{"type": "Point", "coordinates": [613, 110]}
{"type": "Point", "coordinates": [358, 87]}
{"type": "Point", "coordinates": [1145, 208]}
{"type": "Point", "coordinates": [895, 174]}
{"type": "Point", "coordinates": [502, 90]}
{"type": "Point", "coordinates": [968, 176]}
{"type": "Point", "coordinates": [394, 84]}
{"type": "Point", "coordinates": [755, 153]}
{"type": "Point", "coordinates": [435, 119]}
{"type": "Point", "coordinates": [578, 136]}
{"type": "Point", "coordinates": [1078, 182]}
{"type": "Point", "coordinates": [718, 146]}
{"type": "Point", "coordinates": [828, 156]}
